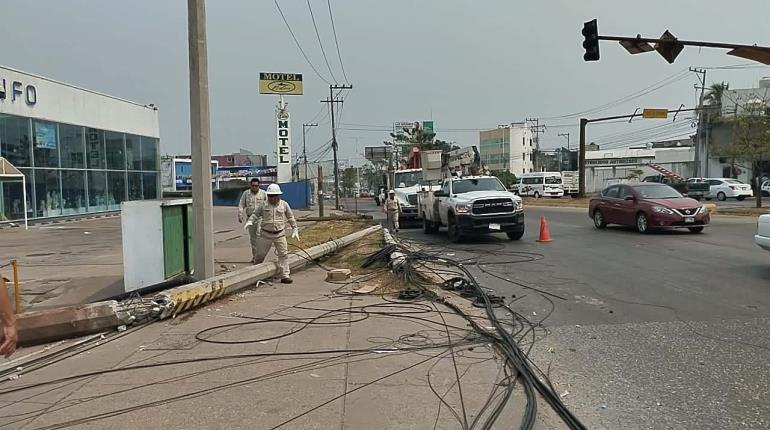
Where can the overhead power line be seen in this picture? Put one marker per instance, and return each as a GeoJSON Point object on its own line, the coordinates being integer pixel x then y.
{"type": "Point", "coordinates": [302, 51]}
{"type": "Point", "coordinates": [336, 42]}
{"type": "Point", "coordinates": [318, 36]}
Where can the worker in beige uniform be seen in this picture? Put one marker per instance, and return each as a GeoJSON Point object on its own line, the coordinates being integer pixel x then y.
{"type": "Point", "coordinates": [392, 209]}
{"type": "Point", "coordinates": [249, 201]}
{"type": "Point", "coordinates": [270, 219]}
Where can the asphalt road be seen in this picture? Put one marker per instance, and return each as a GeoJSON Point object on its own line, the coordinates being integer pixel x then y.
{"type": "Point", "coordinates": [659, 331]}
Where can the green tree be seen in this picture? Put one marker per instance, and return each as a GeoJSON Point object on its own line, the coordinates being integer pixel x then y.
{"type": "Point", "coordinates": [506, 177]}
{"type": "Point", "coordinates": [751, 139]}
{"type": "Point", "coordinates": [713, 97]}
{"type": "Point", "coordinates": [349, 180]}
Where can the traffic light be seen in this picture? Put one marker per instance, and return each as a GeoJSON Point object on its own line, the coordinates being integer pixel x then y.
{"type": "Point", "coordinates": [591, 42]}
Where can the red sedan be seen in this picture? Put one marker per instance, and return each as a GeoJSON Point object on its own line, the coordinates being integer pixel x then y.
{"type": "Point", "coordinates": [647, 206]}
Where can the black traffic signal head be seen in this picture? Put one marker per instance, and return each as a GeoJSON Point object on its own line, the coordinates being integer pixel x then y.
{"type": "Point", "coordinates": [591, 42]}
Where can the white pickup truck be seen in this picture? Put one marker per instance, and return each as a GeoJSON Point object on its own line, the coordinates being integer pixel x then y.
{"type": "Point", "coordinates": [472, 205]}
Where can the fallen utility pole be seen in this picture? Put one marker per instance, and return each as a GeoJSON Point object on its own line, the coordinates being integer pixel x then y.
{"type": "Point", "coordinates": [582, 150]}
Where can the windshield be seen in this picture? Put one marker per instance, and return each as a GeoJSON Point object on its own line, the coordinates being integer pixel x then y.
{"type": "Point", "coordinates": [407, 179]}
{"type": "Point", "coordinates": [657, 192]}
{"type": "Point", "coordinates": [552, 180]}
{"type": "Point", "coordinates": [482, 184]}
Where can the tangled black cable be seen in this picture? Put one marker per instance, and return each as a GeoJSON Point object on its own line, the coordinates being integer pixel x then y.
{"type": "Point", "coordinates": [531, 377]}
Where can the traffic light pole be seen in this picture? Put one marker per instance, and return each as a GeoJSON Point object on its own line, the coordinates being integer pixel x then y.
{"type": "Point", "coordinates": [582, 150]}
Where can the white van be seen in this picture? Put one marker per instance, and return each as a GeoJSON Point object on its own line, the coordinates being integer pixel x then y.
{"type": "Point", "coordinates": [541, 184]}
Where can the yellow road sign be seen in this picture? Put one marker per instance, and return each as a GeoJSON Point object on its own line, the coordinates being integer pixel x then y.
{"type": "Point", "coordinates": [280, 83]}
{"type": "Point", "coordinates": [655, 113]}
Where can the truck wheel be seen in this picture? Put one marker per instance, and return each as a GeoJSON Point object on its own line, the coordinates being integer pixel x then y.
{"type": "Point", "coordinates": [453, 230]}
{"type": "Point", "coordinates": [427, 226]}
{"type": "Point", "coordinates": [515, 235]}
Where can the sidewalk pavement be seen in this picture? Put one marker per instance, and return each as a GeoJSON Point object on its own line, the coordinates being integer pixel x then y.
{"type": "Point", "coordinates": [311, 355]}
{"type": "Point", "coordinates": [81, 261]}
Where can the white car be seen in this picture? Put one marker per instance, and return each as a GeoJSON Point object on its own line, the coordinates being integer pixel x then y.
{"type": "Point", "coordinates": [763, 232]}
{"type": "Point", "coordinates": [726, 188]}
{"type": "Point", "coordinates": [765, 188]}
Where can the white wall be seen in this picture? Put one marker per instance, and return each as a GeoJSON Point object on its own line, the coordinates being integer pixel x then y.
{"type": "Point", "coordinates": [520, 144]}
{"type": "Point", "coordinates": [60, 102]}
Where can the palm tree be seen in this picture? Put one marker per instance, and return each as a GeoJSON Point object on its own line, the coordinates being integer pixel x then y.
{"type": "Point", "coordinates": [713, 97]}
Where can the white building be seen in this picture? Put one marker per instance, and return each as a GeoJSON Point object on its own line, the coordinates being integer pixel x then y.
{"type": "Point", "coordinates": [607, 167]}
{"type": "Point", "coordinates": [508, 147]}
{"type": "Point", "coordinates": [80, 151]}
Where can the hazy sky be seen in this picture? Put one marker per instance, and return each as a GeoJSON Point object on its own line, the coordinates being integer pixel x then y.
{"type": "Point", "coordinates": [467, 64]}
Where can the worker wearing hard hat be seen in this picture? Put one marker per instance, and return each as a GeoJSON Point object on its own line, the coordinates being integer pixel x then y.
{"type": "Point", "coordinates": [249, 201]}
{"type": "Point", "coordinates": [270, 219]}
{"type": "Point", "coordinates": [392, 209]}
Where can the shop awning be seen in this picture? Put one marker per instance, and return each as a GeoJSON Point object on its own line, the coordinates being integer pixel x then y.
{"type": "Point", "coordinates": [9, 172]}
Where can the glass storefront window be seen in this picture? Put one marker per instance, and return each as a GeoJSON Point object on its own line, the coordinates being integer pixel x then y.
{"type": "Point", "coordinates": [116, 189]}
{"type": "Point", "coordinates": [149, 153]}
{"type": "Point", "coordinates": [116, 155]}
{"type": "Point", "coordinates": [73, 184]}
{"type": "Point", "coordinates": [95, 148]}
{"type": "Point", "coordinates": [45, 144]}
{"type": "Point", "coordinates": [15, 141]}
{"type": "Point", "coordinates": [150, 185]}
{"type": "Point", "coordinates": [11, 198]}
{"type": "Point", "coordinates": [133, 155]}
{"type": "Point", "coordinates": [47, 193]}
{"type": "Point", "coordinates": [71, 146]}
{"type": "Point", "coordinates": [97, 190]}
{"type": "Point", "coordinates": [134, 186]}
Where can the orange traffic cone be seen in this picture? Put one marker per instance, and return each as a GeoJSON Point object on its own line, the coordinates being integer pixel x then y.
{"type": "Point", "coordinates": [545, 235]}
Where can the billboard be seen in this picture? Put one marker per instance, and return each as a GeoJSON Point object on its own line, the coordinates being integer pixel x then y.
{"type": "Point", "coordinates": [283, 152]}
{"type": "Point", "coordinates": [280, 83]}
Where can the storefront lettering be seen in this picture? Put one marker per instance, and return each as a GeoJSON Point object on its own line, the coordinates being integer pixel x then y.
{"type": "Point", "coordinates": [18, 89]}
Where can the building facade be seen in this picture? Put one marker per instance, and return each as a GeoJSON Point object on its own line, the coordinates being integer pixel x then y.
{"type": "Point", "coordinates": [606, 167]}
{"type": "Point", "coordinates": [509, 147]}
{"type": "Point", "coordinates": [80, 151]}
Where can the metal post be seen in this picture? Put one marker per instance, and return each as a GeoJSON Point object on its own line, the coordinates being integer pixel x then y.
{"type": "Point", "coordinates": [320, 191]}
{"type": "Point", "coordinates": [203, 215]}
{"type": "Point", "coordinates": [582, 159]}
{"type": "Point", "coordinates": [334, 148]}
{"type": "Point", "coordinates": [16, 291]}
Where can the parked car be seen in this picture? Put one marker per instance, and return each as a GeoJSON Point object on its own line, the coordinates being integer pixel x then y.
{"type": "Point", "coordinates": [692, 188]}
{"type": "Point", "coordinates": [727, 188]}
{"type": "Point", "coordinates": [765, 188]}
{"type": "Point", "coordinates": [762, 237]}
{"type": "Point", "coordinates": [647, 206]}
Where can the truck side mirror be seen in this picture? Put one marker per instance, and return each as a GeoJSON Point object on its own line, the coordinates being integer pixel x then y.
{"type": "Point", "coordinates": [439, 193]}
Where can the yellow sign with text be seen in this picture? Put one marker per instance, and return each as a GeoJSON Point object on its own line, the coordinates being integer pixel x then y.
{"type": "Point", "coordinates": [655, 113]}
{"type": "Point", "coordinates": [280, 83]}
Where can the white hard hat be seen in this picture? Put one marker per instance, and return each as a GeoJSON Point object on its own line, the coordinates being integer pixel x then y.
{"type": "Point", "coordinates": [274, 189]}
{"type": "Point", "coordinates": [392, 192]}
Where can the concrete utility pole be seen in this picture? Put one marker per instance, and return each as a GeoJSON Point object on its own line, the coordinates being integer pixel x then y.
{"type": "Point", "coordinates": [320, 191]}
{"type": "Point", "coordinates": [699, 145]}
{"type": "Point", "coordinates": [200, 151]}
{"type": "Point", "coordinates": [536, 128]}
{"type": "Point", "coordinates": [304, 146]}
{"type": "Point", "coordinates": [331, 102]}
{"type": "Point", "coordinates": [560, 152]}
